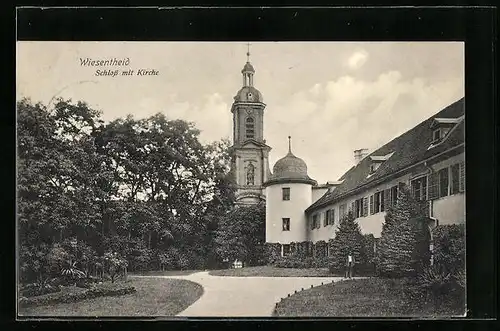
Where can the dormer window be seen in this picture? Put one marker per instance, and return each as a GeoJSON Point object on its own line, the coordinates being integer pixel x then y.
{"type": "Point", "coordinates": [374, 167]}
{"type": "Point", "coordinates": [441, 127]}
{"type": "Point", "coordinates": [436, 135]}
{"type": "Point", "coordinates": [376, 161]}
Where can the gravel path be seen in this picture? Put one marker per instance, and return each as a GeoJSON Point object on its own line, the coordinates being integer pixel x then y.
{"type": "Point", "coordinates": [226, 296]}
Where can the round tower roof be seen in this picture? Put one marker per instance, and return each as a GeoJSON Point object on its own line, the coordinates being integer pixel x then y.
{"type": "Point", "coordinates": [290, 169]}
{"type": "Point", "coordinates": [248, 68]}
{"type": "Point", "coordinates": [248, 93]}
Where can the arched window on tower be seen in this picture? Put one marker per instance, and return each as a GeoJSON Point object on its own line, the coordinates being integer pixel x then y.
{"type": "Point", "coordinates": [250, 127]}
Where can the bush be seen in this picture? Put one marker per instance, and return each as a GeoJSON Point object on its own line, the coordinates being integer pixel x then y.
{"type": "Point", "coordinates": [87, 282]}
{"type": "Point", "coordinates": [32, 290]}
{"type": "Point", "coordinates": [272, 252]}
{"type": "Point", "coordinates": [449, 247]}
{"type": "Point", "coordinates": [403, 246]}
{"type": "Point", "coordinates": [68, 297]}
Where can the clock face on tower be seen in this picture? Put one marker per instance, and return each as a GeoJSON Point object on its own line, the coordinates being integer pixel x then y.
{"type": "Point", "coordinates": [250, 96]}
{"type": "Point", "coordinates": [249, 111]}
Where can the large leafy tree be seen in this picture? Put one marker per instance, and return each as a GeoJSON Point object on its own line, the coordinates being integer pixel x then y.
{"type": "Point", "coordinates": [147, 183]}
{"type": "Point", "coordinates": [348, 240]}
{"type": "Point", "coordinates": [403, 248]}
{"type": "Point", "coordinates": [240, 234]}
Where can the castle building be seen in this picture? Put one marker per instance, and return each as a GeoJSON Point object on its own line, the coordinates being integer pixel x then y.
{"type": "Point", "coordinates": [429, 158]}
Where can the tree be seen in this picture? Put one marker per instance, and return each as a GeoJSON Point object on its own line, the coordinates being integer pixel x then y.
{"type": "Point", "coordinates": [348, 240]}
{"type": "Point", "coordinates": [240, 233]}
{"type": "Point", "coordinates": [401, 249]}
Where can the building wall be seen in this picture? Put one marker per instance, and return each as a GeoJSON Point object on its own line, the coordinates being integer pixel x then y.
{"type": "Point", "coordinates": [277, 209]}
{"type": "Point", "coordinates": [448, 210]}
{"type": "Point", "coordinates": [368, 224]}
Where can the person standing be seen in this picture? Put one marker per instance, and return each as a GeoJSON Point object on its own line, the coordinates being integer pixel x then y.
{"type": "Point", "coordinates": [349, 265]}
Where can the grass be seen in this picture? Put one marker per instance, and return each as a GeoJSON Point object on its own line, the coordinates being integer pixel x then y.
{"type": "Point", "coordinates": [154, 297]}
{"type": "Point", "coordinates": [165, 273]}
{"type": "Point", "coordinates": [270, 271]}
{"type": "Point", "coordinates": [370, 297]}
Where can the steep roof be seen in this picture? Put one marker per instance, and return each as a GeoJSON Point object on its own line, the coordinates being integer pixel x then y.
{"type": "Point", "coordinates": [409, 148]}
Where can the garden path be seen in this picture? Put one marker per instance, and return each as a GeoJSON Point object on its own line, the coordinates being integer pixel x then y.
{"type": "Point", "coordinates": [226, 296]}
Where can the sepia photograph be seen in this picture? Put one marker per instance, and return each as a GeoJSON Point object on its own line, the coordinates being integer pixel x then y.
{"type": "Point", "coordinates": [240, 179]}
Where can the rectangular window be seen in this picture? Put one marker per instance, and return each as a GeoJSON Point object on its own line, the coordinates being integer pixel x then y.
{"type": "Point", "coordinates": [455, 178]}
{"type": "Point", "coordinates": [286, 193]}
{"type": "Point", "coordinates": [394, 195]}
{"type": "Point", "coordinates": [378, 202]}
{"type": "Point", "coordinates": [372, 204]}
{"type": "Point", "coordinates": [462, 177]}
{"type": "Point", "coordinates": [329, 217]}
{"type": "Point", "coordinates": [419, 188]}
{"type": "Point", "coordinates": [286, 249]}
{"type": "Point", "coordinates": [314, 221]}
{"type": "Point", "coordinates": [286, 224]}
{"type": "Point", "coordinates": [359, 207]}
{"type": "Point", "coordinates": [365, 206]}
{"type": "Point", "coordinates": [443, 182]}
{"type": "Point", "coordinates": [433, 186]}
{"type": "Point", "coordinates": [342, 210]}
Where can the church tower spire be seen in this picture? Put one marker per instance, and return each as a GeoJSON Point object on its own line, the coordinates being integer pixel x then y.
{"type": "Point", "coordinates": [248, 70]}
{"type": "Point", "coordinates": [249, 151]}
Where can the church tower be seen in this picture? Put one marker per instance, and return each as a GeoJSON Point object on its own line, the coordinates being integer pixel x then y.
{"type": "Point", "coordinates": [249, 153]}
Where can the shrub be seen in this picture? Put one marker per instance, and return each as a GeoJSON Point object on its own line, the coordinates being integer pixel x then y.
{"type": "Point", "coordinates": [67, 297]}
{"type": "Point", "coordinates": [449, 247]}
{"type": "Point", "coordinates": [320, 249]}
{"type": "Point", "coordinates": [437, 282]}
{"type": "Point", "coordinates": [31, 290]}
{"type": "Point", "coordinates": [403, 246]}
{"type": "Point", "coordinates": [272, 252]}
{"type": "Point", "coordinates": [348, 239]}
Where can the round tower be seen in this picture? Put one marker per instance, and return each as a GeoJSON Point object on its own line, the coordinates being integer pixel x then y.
{"type": "Point", "coordinates": [288, 194]}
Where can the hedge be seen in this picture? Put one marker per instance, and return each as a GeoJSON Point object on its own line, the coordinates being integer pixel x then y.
{"type": "Point", "coordinates": [68, 297]}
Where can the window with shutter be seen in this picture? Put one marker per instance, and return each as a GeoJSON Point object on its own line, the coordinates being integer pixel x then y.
{"type": "Point", "coordinates": [455, 178]}
{"type": "Point", "coordinates": [387, 197]}
{"type": "Point", "coordinates": [365, 206]}
{"type": "Point", "coordinates": [372, 211]}
{"type": "Point", "coordinates": [394, 195]}
{"type": "Point", "coordinates": [433, 186]}
{"type": "Point", "coordinates": [462, 177]}
{"type": "Point", "coordinates": [325, 220]}
{"type": "Point", "coordinates": [333, 217]}
{"type": "Point", "coordinates": [353, 207]}
{"type": "Point", "coordinates": [444, 182]}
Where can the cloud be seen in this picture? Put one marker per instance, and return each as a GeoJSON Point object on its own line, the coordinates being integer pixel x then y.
{"type": "Point", "coordinates": [327, 125]}
{"type": "Point", "coordinates": [357, 59]}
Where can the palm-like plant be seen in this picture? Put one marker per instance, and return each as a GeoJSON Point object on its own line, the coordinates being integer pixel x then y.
{"type": "Point", "coordinates": [460, 278]}
{"type": "Point", "coordinates": [71, 271]}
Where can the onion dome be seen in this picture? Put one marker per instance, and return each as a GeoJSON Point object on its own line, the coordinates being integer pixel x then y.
{"type": "Point", "coordinates": [290, 169]}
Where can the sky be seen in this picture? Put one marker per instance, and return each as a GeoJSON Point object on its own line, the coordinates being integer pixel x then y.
{"type": "Point", "coordinates": [331, 97]}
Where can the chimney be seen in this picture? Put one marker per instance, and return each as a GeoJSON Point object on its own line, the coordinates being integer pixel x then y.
{"type": "Point", "coordinates": [359, 155]}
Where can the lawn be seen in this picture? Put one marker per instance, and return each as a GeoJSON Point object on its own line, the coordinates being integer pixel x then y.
{"type": "Point", "coordinates": [154, 297]}
{"type": "Point", "coordinates": [370, 297]}
{"type": "Point", "coordinates": [270, 271]}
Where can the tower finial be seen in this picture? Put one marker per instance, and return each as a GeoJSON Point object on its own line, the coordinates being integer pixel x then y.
{"type": "Point", "coordinates": [289, 144]}
{"type": "Point", "coordinates": [248, 52]}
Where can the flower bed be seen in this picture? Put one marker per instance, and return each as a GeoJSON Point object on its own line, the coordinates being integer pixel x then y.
{"type": "Point", "coordinates": [100, 290]}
